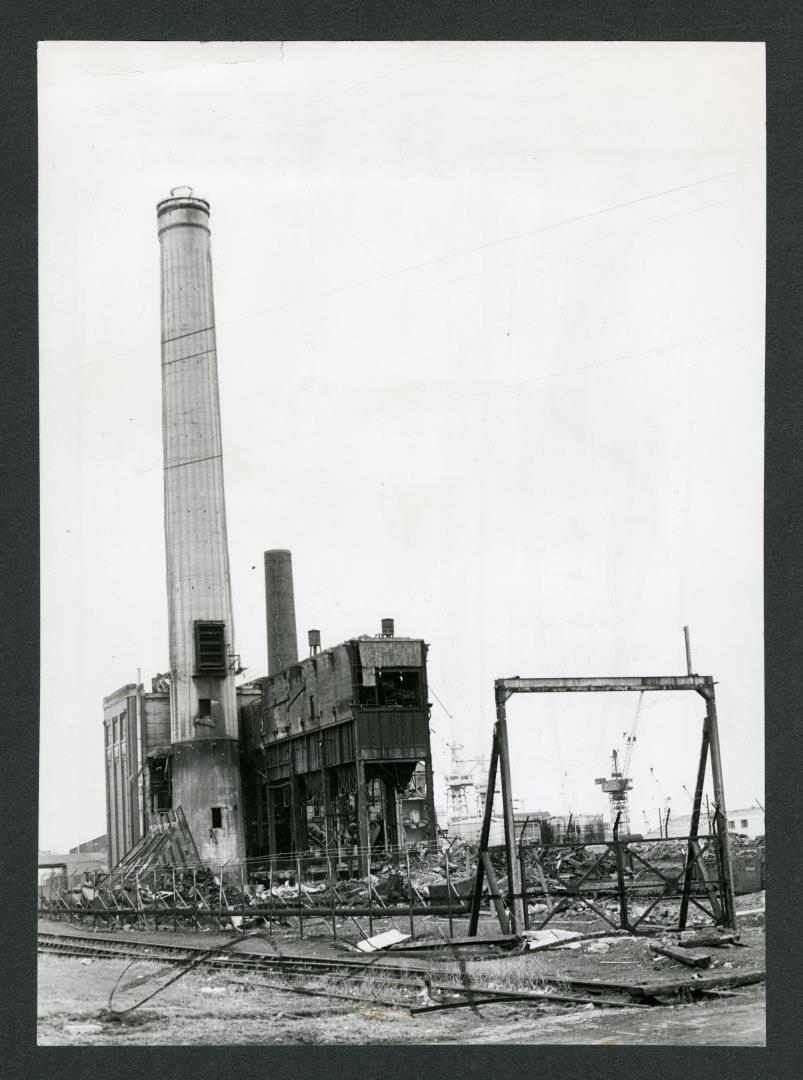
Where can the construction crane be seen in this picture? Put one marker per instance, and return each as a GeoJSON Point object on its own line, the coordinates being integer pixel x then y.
{"type": "Point", "coordinates": [617, 785]}
{"type": "Point", "coordinates": [459, 782]}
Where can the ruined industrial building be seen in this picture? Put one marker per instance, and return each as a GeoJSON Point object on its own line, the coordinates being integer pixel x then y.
{"type": "Point", "coordinates": [328, 754]}
{"type": "Point", "coordinates": [247, 819]}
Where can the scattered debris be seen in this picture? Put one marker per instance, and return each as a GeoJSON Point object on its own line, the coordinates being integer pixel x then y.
{"type": "Point", "coordinates": [690, 939]}
{"type": "Point", "coordinates": [544, 939]}
{"type": "Point", "coordinates": [598, 947]}
{"type": "Point", "coordinates": [382, 941]}
{"type": "Point", "coordinates": [689, 959]}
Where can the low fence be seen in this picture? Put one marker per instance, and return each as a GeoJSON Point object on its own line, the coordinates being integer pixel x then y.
{"type": "Point", "coordinates": [749, 866]}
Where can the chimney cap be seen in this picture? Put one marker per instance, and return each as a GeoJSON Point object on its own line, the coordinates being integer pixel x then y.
{"type": "Point", "coordinates": [181, 198]}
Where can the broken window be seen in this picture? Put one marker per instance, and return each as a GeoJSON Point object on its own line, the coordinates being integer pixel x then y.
{"type": "Point", "coordinates": [367, 695]}
{"type": "Point", "coordinates": [396, 687]}
{"type": "Point", "coordinates": [210, 649]}
{"type": "Point", "coordinates": [160, 790]}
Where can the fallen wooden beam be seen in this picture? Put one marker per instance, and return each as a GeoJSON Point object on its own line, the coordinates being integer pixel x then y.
{"type": "Point", "coordinates": [707, 938]}
{"type": "Point", "coordinates": [702, 982]}
{"type": "Point", "coordinates": [689, 959]}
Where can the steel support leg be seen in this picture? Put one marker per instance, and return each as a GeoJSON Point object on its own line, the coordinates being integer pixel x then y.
{"type": "Point", "coordinates": [694, 828]}
{"type": "Point", "coordinates": [723, 842]}
{"type": "Point", "coordinates": [513, 875]}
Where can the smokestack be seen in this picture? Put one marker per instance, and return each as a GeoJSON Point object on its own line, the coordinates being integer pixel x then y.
{"type": "Point", "coordinates": [280, 610]}
{"type": "Point", "coordinates": [387, 628]}
{"type": "Point", "coordinates": [203, 704]}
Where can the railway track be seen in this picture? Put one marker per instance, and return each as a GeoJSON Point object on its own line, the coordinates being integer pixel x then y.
{"type": "Point", "coordinates": [404, 975]}
{"type": "Point", "coordinates": [257, 962]}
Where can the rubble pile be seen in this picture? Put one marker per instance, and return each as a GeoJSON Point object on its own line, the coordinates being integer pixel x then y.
{"type": "Point", "coordinates": [196, 896]}
{"type": "Point", "coordinates": [583, 880]}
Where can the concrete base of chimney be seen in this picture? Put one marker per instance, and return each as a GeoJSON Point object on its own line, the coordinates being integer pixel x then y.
{"type": "Point", "coordinates": [206, 784]}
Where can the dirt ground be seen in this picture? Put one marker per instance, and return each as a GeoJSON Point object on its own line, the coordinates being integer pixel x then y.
{"type": "Point", "coordinates": [211, 1010]}
{"type": "Point", "coordinates": [224, 1008]}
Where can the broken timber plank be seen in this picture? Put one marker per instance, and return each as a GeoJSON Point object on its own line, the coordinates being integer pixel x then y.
{"type": "Point", "coordinates": [687, 958]}
{"type": "Point", "coordinates": [698, 982]}
{"type": "Point", "coordinates": [691, 939]}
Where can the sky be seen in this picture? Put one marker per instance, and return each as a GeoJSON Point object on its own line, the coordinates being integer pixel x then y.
{"type": "Point", "coordinates": [490, 324]}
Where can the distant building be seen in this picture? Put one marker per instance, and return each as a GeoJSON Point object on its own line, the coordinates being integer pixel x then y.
{"type": "Point", "coordinates": [748, 821]}
{"type": "Point", "coordinates": [98, 846]}
{"type": "Point", "coordinates": [71, 863]}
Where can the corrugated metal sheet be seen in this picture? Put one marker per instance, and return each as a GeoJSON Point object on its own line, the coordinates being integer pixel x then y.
{"type": "Point", "coordinates": [392, 733]}
{"type": "Point", "coordinates": [387, 652]}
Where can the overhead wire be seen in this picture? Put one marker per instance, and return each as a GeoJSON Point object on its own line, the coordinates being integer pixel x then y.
{"type": "Point", "coordinates": [432, 688]}
{"type": "Point", "coordinates": [462, 252]}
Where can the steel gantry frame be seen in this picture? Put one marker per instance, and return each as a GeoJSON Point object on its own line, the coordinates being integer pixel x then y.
{"type": "Point", "coordinates": [500, 760]}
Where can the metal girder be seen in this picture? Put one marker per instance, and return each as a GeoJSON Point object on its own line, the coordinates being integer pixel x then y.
{"type": "Point", "coordinates": [703, 684]}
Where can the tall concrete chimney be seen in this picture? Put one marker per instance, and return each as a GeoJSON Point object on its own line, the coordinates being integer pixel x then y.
{"type": "Point", "coordinates": [203, 705]}
{"type": "Point", "coordinates": [280, 610]}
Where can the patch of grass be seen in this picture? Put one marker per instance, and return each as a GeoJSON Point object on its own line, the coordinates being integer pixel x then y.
{"type": "Point", "coordinates": [512, 973]}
